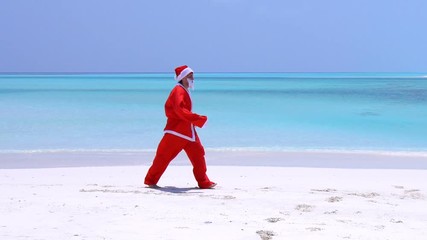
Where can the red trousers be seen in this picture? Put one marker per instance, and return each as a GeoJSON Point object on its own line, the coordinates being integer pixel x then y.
{"type": "Point", "coordinates": [169, 147]}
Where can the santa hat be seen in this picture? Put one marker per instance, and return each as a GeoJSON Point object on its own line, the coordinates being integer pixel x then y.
{"type": "Point", "coordinates": [181, 72]}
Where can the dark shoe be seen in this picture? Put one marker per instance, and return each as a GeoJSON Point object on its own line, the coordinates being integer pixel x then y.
{"type": "Point", "coordinates": [155, 186]}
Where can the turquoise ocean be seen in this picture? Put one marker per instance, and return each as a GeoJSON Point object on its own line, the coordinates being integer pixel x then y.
{"type": "Point", "coordinates": [262, 111]}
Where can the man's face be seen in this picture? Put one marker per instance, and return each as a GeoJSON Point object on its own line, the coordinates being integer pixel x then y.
{"type": "Point", "coordinates": [185, 80]}
{"type": "Point", "coordinates": [190, 76]}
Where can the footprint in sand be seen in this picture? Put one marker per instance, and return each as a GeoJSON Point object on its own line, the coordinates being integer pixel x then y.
{"type": "Point", "coordinates": [334, 199]}
{"type": "Point", "coordinates": [314, 229]}
{"type": "Point", "coordinates": [365, 195]}
{"type": "Point", "coordinates": [324, 190]}
{"type": "Point", "coordinates": [409, 193]}
{"type": "Point", "coordinates": [266, 189]}
{"type": "Point", "coordinates": [265, 234]}
{"type": "Point", "coordinates": [111, 191]}
{"type": "Point", "coordinates": [273, 220]}
{"type": "Point", "coordinates": [379, 227]}
{"type": "Point", "coordinates": [304, 208]}
{"type": "Point", "coordinates": [395, 221]}
{"type": "Point", "coordinates": [331, 212]}
{"type": "Point", "coordinates": [221, 197]}
{"type": "Point", "coordinates": [413, 194]}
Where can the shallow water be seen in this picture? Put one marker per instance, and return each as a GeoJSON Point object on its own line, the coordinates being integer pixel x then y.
{"type": "Point", "coordinates": [384, 112]}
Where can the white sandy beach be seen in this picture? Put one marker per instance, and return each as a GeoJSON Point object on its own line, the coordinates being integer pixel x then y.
{"type": "Point", "coordinates": [291, 196]}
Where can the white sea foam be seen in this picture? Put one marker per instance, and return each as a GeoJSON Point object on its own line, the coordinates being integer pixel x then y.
{"type": "Point", "coordinates": [101, 151]}
{"type": "Point", "coordinates": [336, 151]}
{"type": "Point", "coordinates": [402, 153]}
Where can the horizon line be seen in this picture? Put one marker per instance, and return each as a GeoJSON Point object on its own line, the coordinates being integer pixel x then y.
{"type": "Point", "coordinates": [171, 72]}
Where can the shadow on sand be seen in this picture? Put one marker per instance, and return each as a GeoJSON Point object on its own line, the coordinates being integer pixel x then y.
{"type": "Point", "coordinates": [178, 190]}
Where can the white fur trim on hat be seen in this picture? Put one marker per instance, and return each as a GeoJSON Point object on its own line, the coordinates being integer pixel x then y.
{"type": "Point", "coordinates": [184, 73]}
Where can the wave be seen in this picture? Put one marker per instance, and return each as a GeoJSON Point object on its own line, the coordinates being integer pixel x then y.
{"type": "Point", "coordinates": [402, 153]}
{"type": "Point", "coordinates": [409, 153]}
{"type": "Point", "coordinates": [29, 151]}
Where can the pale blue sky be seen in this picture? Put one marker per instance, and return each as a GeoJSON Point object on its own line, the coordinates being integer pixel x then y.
{"type": "Point", "coordinates": [213, 35]}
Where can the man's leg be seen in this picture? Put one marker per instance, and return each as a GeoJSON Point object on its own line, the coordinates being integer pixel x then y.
{"type": "Point", "coordinates": [196, 154]}
{"type": "Point", "coordinates": [168, 149]}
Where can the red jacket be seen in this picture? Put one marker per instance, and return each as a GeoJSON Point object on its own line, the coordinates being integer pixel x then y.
{"type": "Point", "coordinates": [181, 120]}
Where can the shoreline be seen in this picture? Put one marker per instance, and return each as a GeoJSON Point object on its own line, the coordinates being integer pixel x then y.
{"type": "Point", "coordinates": [224, 157]}
{"type": "Point", "coordinates": [395, 152]}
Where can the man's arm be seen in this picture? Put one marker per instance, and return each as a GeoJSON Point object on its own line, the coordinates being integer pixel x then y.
{"type": "Point", "coordinates": [183, 113]}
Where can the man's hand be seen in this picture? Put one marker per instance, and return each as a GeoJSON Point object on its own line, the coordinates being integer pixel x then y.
{"type": "Point", "coordinates": [201, 121]}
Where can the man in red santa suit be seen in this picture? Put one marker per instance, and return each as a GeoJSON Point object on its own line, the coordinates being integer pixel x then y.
{"type": "Point", "coordinates": [180, 133]}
